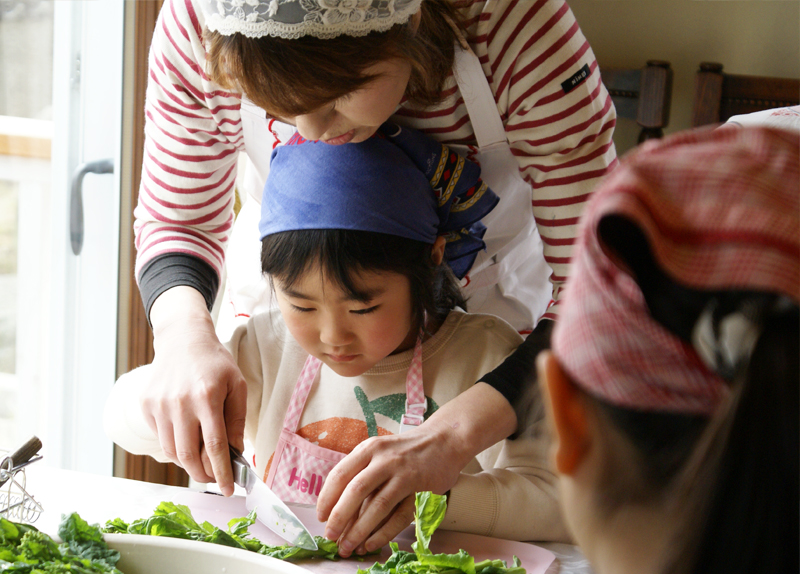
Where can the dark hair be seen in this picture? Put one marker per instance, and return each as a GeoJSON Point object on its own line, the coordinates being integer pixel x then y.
{"type": "Point", "coordinates": [342, 253]}
{"type": "Point", "coordinates": [293, 77]}
{"type": "Point", "coordinates": [736, 475]}
{"type": "Point", "coordinates": [754, 454]}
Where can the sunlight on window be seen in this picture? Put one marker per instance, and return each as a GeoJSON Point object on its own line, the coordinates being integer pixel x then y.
{"type": "Point", "coordinates": [8, 275]}
{"type": "Point", "coordinates": [26, 72]}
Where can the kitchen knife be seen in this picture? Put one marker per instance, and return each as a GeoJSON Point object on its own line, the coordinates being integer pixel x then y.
{"type": "Point", "coordinates": [270, 510]}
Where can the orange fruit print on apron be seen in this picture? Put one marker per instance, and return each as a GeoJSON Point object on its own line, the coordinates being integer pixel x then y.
{"type": "Point", "coordinates": [305, 456]}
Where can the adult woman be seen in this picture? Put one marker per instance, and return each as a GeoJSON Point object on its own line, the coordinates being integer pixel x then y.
{"type": "Point", "coordinates": [672, 387]}
{"type": "Point", "coordinates": [526, 95]}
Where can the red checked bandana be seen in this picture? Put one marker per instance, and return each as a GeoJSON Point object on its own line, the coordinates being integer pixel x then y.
{"type": "Point", "coordinates": [721, 211]}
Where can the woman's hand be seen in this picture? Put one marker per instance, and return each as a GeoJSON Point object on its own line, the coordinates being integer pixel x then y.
{"type": "Point", "coordinates": [368, 498]}
{"type": "Point", "coordinates": [197, 398]}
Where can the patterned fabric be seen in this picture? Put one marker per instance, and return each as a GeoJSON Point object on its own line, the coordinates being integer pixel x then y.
{"type": "Point", "coordinates": [293, 19]}
{"type": "Point", "coordinates": [721, 211]}
{"type": "Point", "coordinates": [299, 467]}
{"type": "Point", "coordinates": [787, 118]}
{"type": "Point", "coordinates": [416, 403]}
{"type": "Point", "coordinates": [562, 140]}
{"type": "Point", "coordinates": [301, 389]}
{"type": "Point", "coordinates": [398, 182]}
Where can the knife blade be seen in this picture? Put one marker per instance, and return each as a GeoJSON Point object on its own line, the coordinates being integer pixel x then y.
{"type": "Point", "coordinates": [270, 510]}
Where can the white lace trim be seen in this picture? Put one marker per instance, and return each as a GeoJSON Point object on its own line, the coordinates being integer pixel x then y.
{"type": "Point", "coordinates": [292, 19]}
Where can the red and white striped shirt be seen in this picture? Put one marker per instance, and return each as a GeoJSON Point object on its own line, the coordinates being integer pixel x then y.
{"type": "Point", "coordinates": [527, 48]}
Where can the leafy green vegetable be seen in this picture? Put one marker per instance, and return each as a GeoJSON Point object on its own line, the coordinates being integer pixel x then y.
{"type": "Point", "coordinates": [26, 550]}
{"type": "Point", "coordinates": [86, 540]}
{"type": "Point", "coordinates": [176, 521]}
{"type": "Point", "coordinates": [428, 515]}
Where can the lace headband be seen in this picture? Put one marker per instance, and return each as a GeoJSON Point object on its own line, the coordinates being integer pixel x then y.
{"type": "Point", "coordinates": [292, 19]}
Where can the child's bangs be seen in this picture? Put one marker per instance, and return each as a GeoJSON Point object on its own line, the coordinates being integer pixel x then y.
{"type": "Point", "coordinates": [338, 254]}
{"type": "Point", "coordinates": [341, 255]}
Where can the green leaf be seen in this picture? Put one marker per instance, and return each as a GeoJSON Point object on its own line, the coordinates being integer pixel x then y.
{"type": "Point", "coordinates": [224, 539]}
{"type": "Point", "coordinates": [176, 521]}
{"type": "Point", "coordinates": [239, 526]}
{"type": "Point", "coordinates": [179, 513]}
{"type": "Point", "coordinates": [430, 510]}
{"type": "Point", "coordinates": [9, 530]}
{"type": "Point", "coordinates": [167, 526]}
{"type": "Point", "coordinates": [325, 549]}
{"type": "Point", "coordinates": [462, 562]}
{"type": "Point", "coordinates": [33, 552]}
{"type": "Point", "coordinates": [116, 526]}
{"type": "Point", "coordinates": [86, 540]}
{"type": "Point", "coordinates": [7, 555]}
{"type": "Point", "coordinates": [428, 515]}
{"type": "Point", "coordinates": [38, 546]}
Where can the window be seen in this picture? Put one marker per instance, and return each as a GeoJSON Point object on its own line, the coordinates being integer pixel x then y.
{"type": "Point", "coordinates": [26, 72]}
{"type": "Point", "coordinates": [60, 106]}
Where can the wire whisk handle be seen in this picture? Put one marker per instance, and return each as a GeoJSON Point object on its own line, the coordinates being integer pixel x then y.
{"type": "Point", "coordinates": [15, 501]}
{"type": "Point", "coordinates": [19, 458]}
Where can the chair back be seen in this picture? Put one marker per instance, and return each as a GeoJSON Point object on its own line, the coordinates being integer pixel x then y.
{"type": "Point", "coordinates": [643, 95]}
{"type": "Point", "coordinates": [718, 96]}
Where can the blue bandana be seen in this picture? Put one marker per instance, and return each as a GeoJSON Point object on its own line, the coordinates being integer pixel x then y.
{"type": "Point", "coordinates": [399, 182]}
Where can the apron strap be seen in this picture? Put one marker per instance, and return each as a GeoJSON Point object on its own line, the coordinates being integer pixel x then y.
{"type": "Point", "coordinates": [300, 394]}
{"type": "Point", "coordinates": [416, 403]}
{"type": "Point", "coordinates": [478, 98]}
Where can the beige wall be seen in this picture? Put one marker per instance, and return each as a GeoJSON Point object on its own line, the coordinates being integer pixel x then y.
{"type": "Point", "coordinates": [754, 37]}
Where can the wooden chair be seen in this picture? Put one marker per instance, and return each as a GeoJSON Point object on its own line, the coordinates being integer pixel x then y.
{"type": "Point", "coordinates": [718, 96]}
{"type": "Point", "coordinates": [642, 95]}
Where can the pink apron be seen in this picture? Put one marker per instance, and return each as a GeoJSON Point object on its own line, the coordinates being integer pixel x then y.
{"type": "Point", "coordinates": [299, 468]}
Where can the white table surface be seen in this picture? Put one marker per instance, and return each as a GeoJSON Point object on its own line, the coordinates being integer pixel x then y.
{"type": "Point", "coordinates": [99, 498]}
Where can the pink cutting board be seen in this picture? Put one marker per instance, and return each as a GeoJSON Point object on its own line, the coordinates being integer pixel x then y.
{"type": "Point", "coordinates": [219, 510]}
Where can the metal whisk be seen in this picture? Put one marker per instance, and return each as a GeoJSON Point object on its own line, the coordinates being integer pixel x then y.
{"type": "Point", "coordinates": [16, 503]}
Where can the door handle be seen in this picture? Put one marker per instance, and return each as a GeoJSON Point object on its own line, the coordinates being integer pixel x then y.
{"type": "Point", "coordinates": [76, 199]}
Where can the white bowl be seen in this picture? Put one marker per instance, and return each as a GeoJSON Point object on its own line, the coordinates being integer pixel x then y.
{"type": "Point", "coordinates": [141, 554]}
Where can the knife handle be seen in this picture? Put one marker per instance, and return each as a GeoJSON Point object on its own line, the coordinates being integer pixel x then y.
{"type": "Point", "coordinates": [22, 455]}
{"type": "Point", "coordinates": [240, 468]}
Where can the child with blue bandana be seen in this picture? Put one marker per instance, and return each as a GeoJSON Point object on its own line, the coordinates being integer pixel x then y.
{"type": "Point", "coordinates": [363, 246]}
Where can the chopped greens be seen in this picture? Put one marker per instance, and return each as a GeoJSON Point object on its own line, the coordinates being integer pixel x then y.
{"type": "Point", "coordinates": [26, 550]}
{"type": "Point", "coordinates": [428, 515]}
{"type": "Point", "coordinates": [176, 521]}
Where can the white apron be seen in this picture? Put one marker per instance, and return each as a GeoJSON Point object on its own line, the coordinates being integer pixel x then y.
{"type": "Point", "coordinates": [510, 279]}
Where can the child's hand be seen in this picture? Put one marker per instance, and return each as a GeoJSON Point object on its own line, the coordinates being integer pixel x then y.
{"type": "Point", "coordinates": [367, 498]}
{"type": "Point", "coordinates": [197, 396]}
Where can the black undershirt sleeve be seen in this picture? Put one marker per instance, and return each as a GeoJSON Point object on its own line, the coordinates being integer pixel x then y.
{"type": "Point", "coordinates": [173, 269]}
{"type": "Point", "coordinates": [515, 378]}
